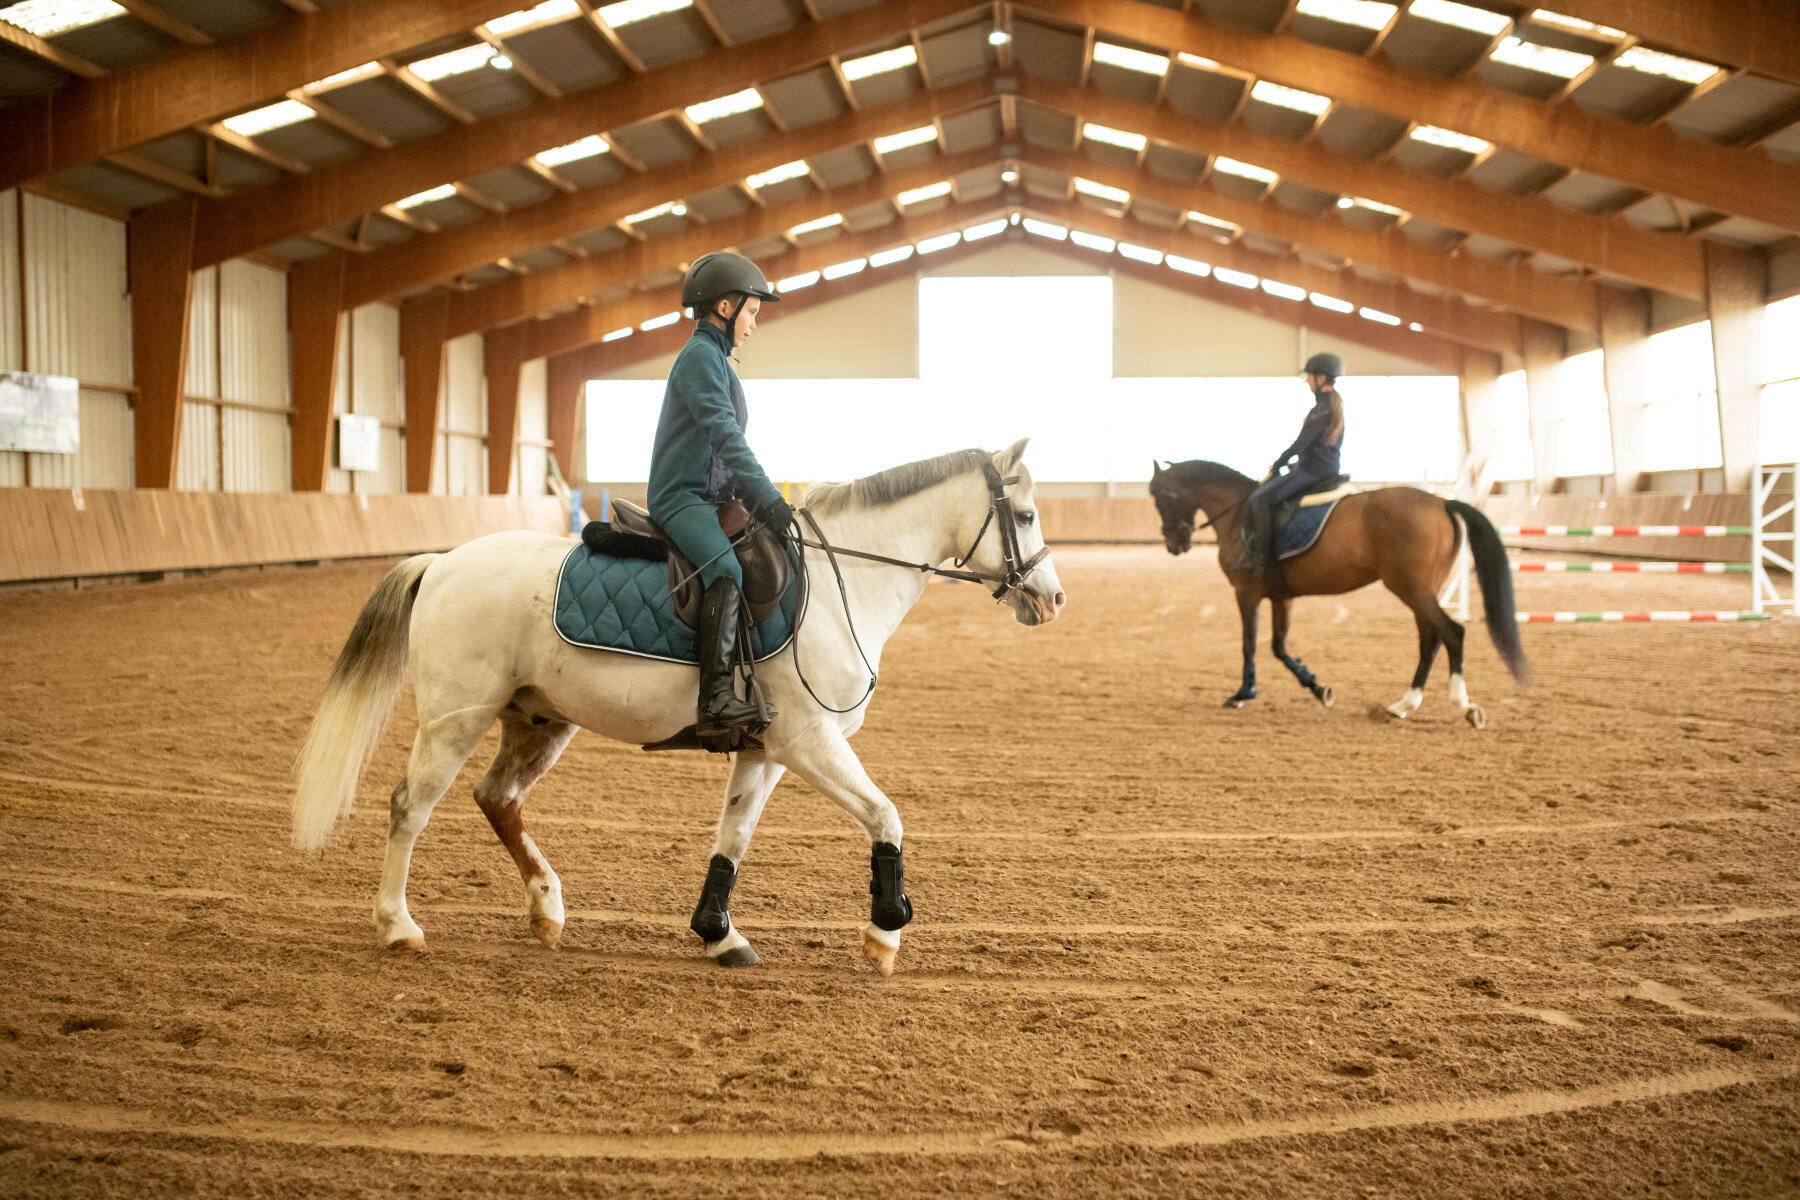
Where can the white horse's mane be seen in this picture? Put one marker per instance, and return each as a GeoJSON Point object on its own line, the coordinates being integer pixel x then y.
{"type": "Point", "coordinates": [895, 483]}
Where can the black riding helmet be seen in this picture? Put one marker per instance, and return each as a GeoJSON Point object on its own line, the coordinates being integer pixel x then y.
{"type": "Point", "coordinates": [1328, 365]}
{"type": "Point", "coordinates": [720, 274]}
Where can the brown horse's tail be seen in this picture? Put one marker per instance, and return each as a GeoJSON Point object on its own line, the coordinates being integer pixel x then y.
{"type": "Point", "coordinates": [1495, 574]}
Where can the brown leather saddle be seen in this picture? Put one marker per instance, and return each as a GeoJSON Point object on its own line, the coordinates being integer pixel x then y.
{"type": "Point", "coordinates": [767, 568]}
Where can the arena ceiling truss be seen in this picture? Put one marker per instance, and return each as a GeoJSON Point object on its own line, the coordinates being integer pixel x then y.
{"type": "Point", "coordinates": [1458, 183]}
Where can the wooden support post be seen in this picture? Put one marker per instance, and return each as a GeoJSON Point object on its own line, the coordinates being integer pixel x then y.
{"type": "Point", "coordinates": [565, 382]}
{"type": "Point", "coordinates": [159, 246]}
{"type": "Point", "coordinates": [500, 358]}
{"type": "Point", "coordinates": [422, 361]}
{"type": "Point", "coordinates": [1624, 336]}
{"type": "Point", "coordinates": [1480, 412]}
{"type": "Point", "coordinates": [1737, 285]}
{"type": "Point", "coordinates": [315, 291]}
{"type": "Point", "coordinates": [1543, 346]}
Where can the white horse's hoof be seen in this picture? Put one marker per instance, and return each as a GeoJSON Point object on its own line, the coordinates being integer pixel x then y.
{"type": "Point", "coordinates": [738, 956]}
{"type": "Point", "coordinates": [1398, 711]}
{"type": "Point", "coordinates": [880, 947]}
{"type": "Point", "coordinates": [549, 931]}
{"type": "Point", "coordinates": [414, 943]}
{"type": "Point", "coordinates": [1476, 716]}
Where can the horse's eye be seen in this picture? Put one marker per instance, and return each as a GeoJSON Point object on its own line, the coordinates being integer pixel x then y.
{"type": "Point", "coordinates": [1027, 517]}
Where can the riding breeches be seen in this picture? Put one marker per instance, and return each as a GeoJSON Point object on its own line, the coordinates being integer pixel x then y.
{"type": "Point", "coordinates": [696, 533]}
{"type": "Point", "coordinates": [1283, 488]}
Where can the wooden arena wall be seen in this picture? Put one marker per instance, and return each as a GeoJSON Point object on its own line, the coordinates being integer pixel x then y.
{"type": "Point", "coordinates": [48, 534]}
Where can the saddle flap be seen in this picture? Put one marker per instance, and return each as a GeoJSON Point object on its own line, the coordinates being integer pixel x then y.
{"type": "Point", "coordinates": [629, 518]}
{"type": "Point", "coordinates": [767, 572]}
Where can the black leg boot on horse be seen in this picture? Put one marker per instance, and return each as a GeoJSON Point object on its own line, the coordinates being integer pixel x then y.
{"type": "Point", "coordinates": [725, 720]}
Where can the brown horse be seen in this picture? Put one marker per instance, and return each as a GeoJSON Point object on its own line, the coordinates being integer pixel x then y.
{"type": "Point", "coordinates": [1406, 538]}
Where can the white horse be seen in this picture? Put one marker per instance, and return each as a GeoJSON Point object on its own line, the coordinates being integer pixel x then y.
{"type": "Point", "coordinates": [473, 627]}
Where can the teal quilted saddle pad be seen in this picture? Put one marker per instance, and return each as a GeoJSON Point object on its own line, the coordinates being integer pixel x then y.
{"type": "Point", "coordinates": [623, 605]}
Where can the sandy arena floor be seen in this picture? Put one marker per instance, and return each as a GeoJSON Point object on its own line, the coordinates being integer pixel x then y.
{"type": "Point", "coordinates": [1161, 949]}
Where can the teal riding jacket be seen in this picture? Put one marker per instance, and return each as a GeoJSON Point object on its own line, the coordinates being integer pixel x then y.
{"type": "Point", "coordinates": [700, 455]}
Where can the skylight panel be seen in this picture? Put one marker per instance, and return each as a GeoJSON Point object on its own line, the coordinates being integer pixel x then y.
{"type": "Point", "coordinates": [1547, 60]}
{"type": "Point", "coordinates": [456, 62]}
{"type": "Point", "coordinates": [1287, 97]}
{"type": "Point", "coordinates": [1375, 314]}
{"type": "Point", "coordinates": [271, 116]}
{"type": "Point", "coordinates": [442, 191]}
{"type": "Point", "coordinates": [1100, 191]}
{"type": "Point", "coordinates": [1244, 170]}
{"type": "Point", "coordinates": [998, 37]}
{"type": "Point", "coordinates": [1369, 14]}
{"type": "Point", "coordinates": [1188, 266]}
{"type": "Point", "coordinates": [814, 226]}
{"type": "Point", "coordinates": [673, 208]}
{"type": "Point", "coordinates": [794, 283]}
{"type": "Point", "coordinates": [1655, 62]}
{"type": "Point", "coordinates": [724, 106]}
{"type": "Point", "coordinates": [1045, 229]}
{"type": "Point", "coordinates": [1284, 291]}
{"type": "Point", "coordinates": [1463, 16]}
{"type": "Point", "coordinates": [1416, 327]}
{"type": "Point", "coordinates": [1092, 241]}
{"type": "Point", "coordinates": [617, 334]}
{"type": "Point", "coordinates": [986, 229]}
{"type": "Point", "coordinates": [1241, 279]}
{"type": "Point", "coordinates": [1113, 137]}
{"type": "Point", "coordinates": [1143, 254]}
{"type": "Point", "coordinates": [781, 174]}
{"type": "Point", "coordinates": [1371, 205]}
{"type": "Point", "coordinates": [1214, 225]}
{"type": "Point", "coordinates": [843, 269]}
{"type": "Point", "coordinates": [47, 18]}
{"type": "Point", "coordinates": [367, 70]}
{"type": "Point", "coordinates": [663, 321]}
{"type": "Point", "coordinates": [1131, 60]}
{"type": "Point", "coordinates": [1333, 303]}
{"type": "Point", "coordinates": [530, 18]}
{"type": "Point", "coordinates": [888, 143]}
{"type": "Point", "coordinates": [876, 64]}
{"type": "Point", "coordinates": [943, 241]}
{"type": "Point", "coordinates": [1543, 16]}
{"type": "Point", "coordinates": [1450, 139]}
{"type": "Point", "coordinates": [887, 258]}
{"type": "Point", "coordinates": [1196, 62]}
{"type": "Point", "coordinates": [930, 191]}
{"type": "Point", "coordinates": [628, 11]}
{"type": "Point", "coordinates": [568, 152]}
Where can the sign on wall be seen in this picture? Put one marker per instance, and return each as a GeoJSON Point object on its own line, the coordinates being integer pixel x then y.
{"type": "Point", "coordinates": [358, 443]}
{"type": "Point", "coordinates": [39, 413]}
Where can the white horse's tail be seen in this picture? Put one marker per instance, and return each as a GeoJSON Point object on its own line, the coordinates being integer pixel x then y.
{"type": "Point", "coordinates": [370, 671]}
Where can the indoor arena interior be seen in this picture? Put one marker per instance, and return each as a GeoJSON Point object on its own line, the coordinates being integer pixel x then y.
{"type": "Point", "coordinates": [1407, 813]}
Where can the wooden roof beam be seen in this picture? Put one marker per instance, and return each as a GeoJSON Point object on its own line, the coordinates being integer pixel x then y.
{"type": "Point", "coordinates": [1444, 315]}
{"type": "Point", "coordinates": [1512, 285]}
{"type": "Point", "coordinates": [1652, 158]}
{"type": "Point", "coordinates": [1609, 244]}
{"type": "Point", "coordinates": [1757, 35]}
{"type": "Point", "coordinates": [334, 193]}
{"type": "Point", "coordinates": [51, 53]}
{"type": "Point", "coordinates": [157, 17]}
{"type": "Point", "coordinates": [514, 299]}
{"type": "Point", "coordinates": [397, 269]}
{"type": "Point", "coordinates": [188, 85]}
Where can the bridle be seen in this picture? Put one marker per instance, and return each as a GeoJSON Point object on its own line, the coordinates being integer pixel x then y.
{"type": "Point", "coordinates": [1012, 578]}
{"type": "Point", "coordinates": [1188, 526]}
{"type": "Point", "coordinates": [1017, 568]}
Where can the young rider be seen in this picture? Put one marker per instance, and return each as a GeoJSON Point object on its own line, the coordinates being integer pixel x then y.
{"type": "Point", "coordinates": [1317, 449]}
{"type": "Point", "coordinates": [700, 460]}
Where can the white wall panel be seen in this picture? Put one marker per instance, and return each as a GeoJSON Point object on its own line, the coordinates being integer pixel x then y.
{"type": "Point", "coordinates": [253, 333]}
{"type": "Point", "coordinates": [257, 458]}
{"type": "Point", "coordinates": [76, 319]}
{"type": "Point", "coordinates": [11, 321]}
{"type": "Point", "coordinates": [464, 384]}
{"type": "Point", "coordinates": [107, 454]}
{"type": "Point", "coordinates": [340, 379]}
{"type": "Point", "coordinates": [534, 426]}
{"type": "Point", "coordinates": [375, 368]}
{"type": "Point", "coordinates": [467, 461]}
{"type": "Point", "coordinates": [198, 467]}
{"type": "Point", "coordinates": [54, 470]}
{"type": "Point", "coordinates": [392, 476]}
{"type": "Point", "coordinates": [12, 469]}
{"type": "Point", "coordinates": [202, 377]}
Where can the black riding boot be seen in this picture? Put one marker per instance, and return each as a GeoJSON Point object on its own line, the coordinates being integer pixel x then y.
{"type": "Point", "coordinates": [721, 711]}
{"type": "Point", "coordinates": [1256, 534]}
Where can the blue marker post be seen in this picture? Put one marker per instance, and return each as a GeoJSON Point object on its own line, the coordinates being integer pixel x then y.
{"type": "Point", "coordinates": [606, 504]}
{"type": "Point", "coordinates": [575, 511]}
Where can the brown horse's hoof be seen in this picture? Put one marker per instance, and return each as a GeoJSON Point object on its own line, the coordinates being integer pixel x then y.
{"type": "Point", "coordinates": [548, 930]}
{"type": "Point", "coordinates": [1476, 716]}
{"type": "Point", "coordinates": [1324, 695]}
{"type": "Point", "coordinates": [414, 944]}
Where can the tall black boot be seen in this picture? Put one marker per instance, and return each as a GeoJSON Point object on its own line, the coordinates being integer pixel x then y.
{"type": "Point", "coordinates": [1256, 534]}
{"type": "Point", "coordinates": [721, 711]}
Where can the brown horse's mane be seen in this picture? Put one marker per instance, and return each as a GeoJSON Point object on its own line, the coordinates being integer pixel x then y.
{"type": "Point", "coordinates": [1207, 473]}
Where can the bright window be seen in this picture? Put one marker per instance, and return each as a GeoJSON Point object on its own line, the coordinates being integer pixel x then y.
{"type": "Point", "coordinates": [1513, 458]}
{"type": "Point", "coordinates": [1781, 386]}
{"type": "Point", "coordinates": [1583, 426]}
{"type": "Point", "coordinates": [1681, 404]}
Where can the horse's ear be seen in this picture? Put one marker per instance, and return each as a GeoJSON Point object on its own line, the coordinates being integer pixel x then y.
{"type": "Point", "coordinates": [1157, 466]}
{"type": "Point", "coordinates": [1009, 458]}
